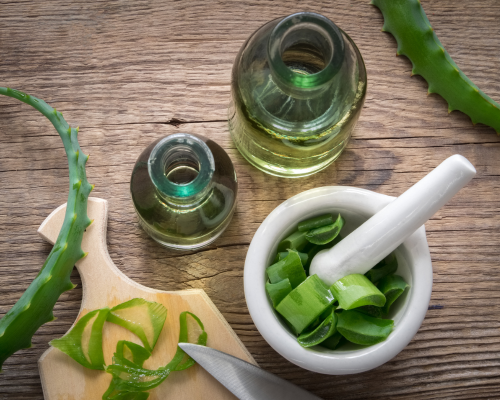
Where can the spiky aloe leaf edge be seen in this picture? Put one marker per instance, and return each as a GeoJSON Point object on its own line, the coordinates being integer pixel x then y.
{"type": "Point", "coordinates": [34, 308]}
{"type": "Point", "coordinates": [408, 23]}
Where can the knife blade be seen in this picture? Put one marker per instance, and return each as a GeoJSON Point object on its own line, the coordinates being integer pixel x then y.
{"type": "Point", "coordinates": [244, 380]}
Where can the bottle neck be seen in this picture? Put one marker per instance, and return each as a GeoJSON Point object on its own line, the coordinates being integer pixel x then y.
{"type": "Point", "coordinates": [305, 52]}
{"type": "Point", "coordinates": [181, 166]}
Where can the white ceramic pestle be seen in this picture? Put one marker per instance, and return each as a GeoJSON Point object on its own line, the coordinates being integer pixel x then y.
{"type": "Point", "coordinates": [392, 225]}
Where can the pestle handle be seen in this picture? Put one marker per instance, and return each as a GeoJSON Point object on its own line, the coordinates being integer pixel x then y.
{"type": "Point", "coordinates": [387, 229]}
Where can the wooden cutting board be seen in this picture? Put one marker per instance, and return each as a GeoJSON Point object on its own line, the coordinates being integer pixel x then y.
{"type": "Point", "coordinates": [105, 285]}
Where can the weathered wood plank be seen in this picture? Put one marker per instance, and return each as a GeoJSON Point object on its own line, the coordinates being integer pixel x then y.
{"type": "Point", "coordinates": [127, 72]}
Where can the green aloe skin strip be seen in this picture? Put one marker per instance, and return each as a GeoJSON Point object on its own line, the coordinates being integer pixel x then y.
{"type": "Point", "coordinates": [356, 290]}
{"type": "Point", "coordinates": [289, 268]}
{"type": "Point", "coordinates": [141, 317]}
{"type": "Point", "coordinates": [278, 291]}
{"type": "Point", "coordinates": [315, 222]}
{"type": "Point", "coordinates": [326, 329]}
{"type": "Point", "coordinates": [34, 308]}
{"type": "Point", "coordinates": [392, 287]}
{"type": "Point", "coordinates": [387, 266]}
{"type": "Point", "coordinates": [305, 303]}
{"type": "Point", "coordinates": [129, 377]}
{"type": "Point", "coordinates": [362, 329]}
{"type": "Point", "coordinates": [325, 234]}
{"type": "Point", "coordinates": [83, 343]}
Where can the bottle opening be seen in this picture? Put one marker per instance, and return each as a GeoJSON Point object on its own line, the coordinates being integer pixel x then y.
{"type": "Point", "coordinates": [305, 50]}
{"type": "Point", "coordinates": [182, 166]}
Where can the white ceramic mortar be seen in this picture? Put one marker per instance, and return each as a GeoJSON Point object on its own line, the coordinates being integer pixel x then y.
{"type": "Point", "coordinates": [356, 205]}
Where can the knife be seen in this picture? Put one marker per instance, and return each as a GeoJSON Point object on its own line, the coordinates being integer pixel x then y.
{"type": "Point", "coordinates": [244, 380]}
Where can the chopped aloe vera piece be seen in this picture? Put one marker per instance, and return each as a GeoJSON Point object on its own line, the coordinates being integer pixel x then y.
{"type": "Point", "coordinates": [278, 291]}
{"type": "Point", "coordinates": [304, 258]}
{"type": "Point", "coordinates": [315, 222]}
{"type": "Point", "coordinates": [83, 343]}
{"type": "Point", "coordinates": [142, 317]}
{"type": "Point", "coordinates": [362, 329]}
{"type": "Point", "coordinates": [326, 329]}
{"type": "Point", "coordinates": [333, 341]}
{"type": "Point", "coordinates": [392, 287]}
{"type": "Point", "coordinates": [373, 311]}
{"type": "Point", "coordinates": [387, 266]}
{"type": "Point", "coordinates": [290, 267]}
{"type": "Point", "coordinates": [325, 234]}
{"type": "Point", "coordinates": [135, 378]}
{"type": "Point", "coordinates": [296, 241]}
{"type": "Point", "coordinates": [305, 303]}
{"type": "Point", "coordinates": [356, 290]}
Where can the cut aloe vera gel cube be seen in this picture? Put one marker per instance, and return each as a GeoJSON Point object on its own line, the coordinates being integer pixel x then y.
{"type": "Point", "coordinates": [362, 329]}
{"type": "Point", "coordinates": [296, 241]}
{"type": "Point", "coordinates": [327, 233]}
{"type": "Point", "coordinates": [326, 329]}
{"type": "Point", "coordinates": [387, 266]}
{"type": "Point", "coordinates": [305, 303]}
{"type": "Point", "coordinates": [315, 222]}
{"type": "Point", "coordinates": [356, 290]}
{"type": "Point", "coordinates": [278, 291]}
{"type": "Point", "coordinates": [289, 268]}
{"type": "Point", "coordinates": [392, 287]}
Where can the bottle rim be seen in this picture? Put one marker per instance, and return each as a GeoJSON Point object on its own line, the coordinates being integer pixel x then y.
{"type": "Point", "coordinates": [176, 148]}
{"type": "Point", "coordinates": [333, 39]}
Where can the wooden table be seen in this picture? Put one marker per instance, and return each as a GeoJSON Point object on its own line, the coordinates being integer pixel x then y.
{"type": "Point", "coordinates": [129, 72]}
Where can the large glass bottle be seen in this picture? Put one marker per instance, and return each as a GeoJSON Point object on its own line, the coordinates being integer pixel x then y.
{"type": "Point", "coordinates": [184, 190]}
{"type": "Point", "coordinates": [298, 86]}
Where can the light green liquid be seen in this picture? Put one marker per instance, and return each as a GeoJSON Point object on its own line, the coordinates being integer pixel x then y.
{"type": "Point", "coordinates": [287, 155]}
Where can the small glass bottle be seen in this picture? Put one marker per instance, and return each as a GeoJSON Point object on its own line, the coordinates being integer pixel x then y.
{"type": "Point", "coordinates": [298, 86]}
{"type": "Point", "coordinates": [184, 191]}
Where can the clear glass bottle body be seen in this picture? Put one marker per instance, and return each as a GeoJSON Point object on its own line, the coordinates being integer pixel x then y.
{"type": "Point", "coordinates": [184, 190]}
{"type": "Point", "coordinates": [298, 86]}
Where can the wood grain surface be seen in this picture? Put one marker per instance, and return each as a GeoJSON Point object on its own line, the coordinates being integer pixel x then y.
{"type": "Point", "coordinates": [130, 71]}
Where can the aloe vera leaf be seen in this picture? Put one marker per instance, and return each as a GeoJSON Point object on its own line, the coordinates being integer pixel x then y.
{"type": "Point", "coordinates": [135, 378]}
{"type": "Point", "coordinates": [333, 342]}
{"type": "Point", "coordinates": [305, 303]}
{"type": "Point", "coordinates": [392, 287]}
{"type": "Point", "coordinates": [315, 222]}
{"type": "Point", "coordinates": [407, 22]}
{"type": "Point", "coordinates": [34, 308]}
{"type": "Point", "coordinates": [387, 266]}
{"type": "Point", "coordinates": [289, 268]}
{"type": "Point", "coordinates": [362, 329]}
{"type": "Point", "coordinates": [296, 241]}
{"type": "Point", "coordinates": [356, 290]}
{"type": "Point", "coordinates": [83, 343]}
{"type": "Point", "coordinates": [325, 234]}
{"type": "Point", "coordinates": [326, 329]}
{"type": "Point", "coordinates": [278, 291]}
{"type": "Point", "coordinates": [142, 317]}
